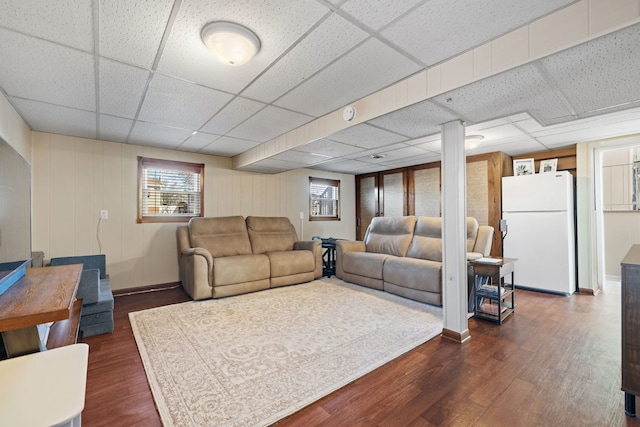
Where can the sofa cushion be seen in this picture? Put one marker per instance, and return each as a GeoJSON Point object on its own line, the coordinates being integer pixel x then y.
{"type": "Point", "coordinates": [89, 262]}
{"type": "Point", "coordinates": [291, 262]}
{"type": "Point", "coordinates": [270, 234]}
{"type": "Point", "coordinates": [472, 233]}
{"type": "Point", "coordinates": [427, 239]}
{"type": "Point", "coordinates": [390, 235]}
{"type": "Point", "coordinates": [366, 264]}
{"type": "Point", "coordinates": [230, 270]}
{"type": "Point", "coordinates": [419, 274]}
{"type": "Point", "coordinates": [223, 236]}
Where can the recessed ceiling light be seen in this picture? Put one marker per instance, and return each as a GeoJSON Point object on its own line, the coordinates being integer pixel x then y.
{"type": "Point", "coordinates": [232, 43]}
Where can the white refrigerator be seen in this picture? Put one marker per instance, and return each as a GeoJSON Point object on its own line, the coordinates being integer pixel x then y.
{"type": "Point", "coordinates": [538, 210]}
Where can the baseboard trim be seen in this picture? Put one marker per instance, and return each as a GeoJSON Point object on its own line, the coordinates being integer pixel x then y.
{"type": "Point", "coordinates": [588, 291]}
{"type": "Point", "coordinates": [145, 289]}
{"type": "Point", "coordinates": [459, 337]}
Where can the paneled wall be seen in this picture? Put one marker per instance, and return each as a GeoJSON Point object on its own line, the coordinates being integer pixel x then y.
{"type": "Point", "coordinates": [74, 178]}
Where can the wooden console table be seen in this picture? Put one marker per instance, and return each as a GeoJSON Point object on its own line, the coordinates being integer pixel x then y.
{"type": "Point", "coordinates": [43, 295]}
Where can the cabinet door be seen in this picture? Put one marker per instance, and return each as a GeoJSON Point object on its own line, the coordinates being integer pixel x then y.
{"type": "Point", "coordinates": [367, 206]}
{"type": "Point", "coordinates": [393, 193]}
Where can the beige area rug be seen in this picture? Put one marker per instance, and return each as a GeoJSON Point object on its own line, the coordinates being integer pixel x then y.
{"type": "Point", "coordinates": [254, 359]}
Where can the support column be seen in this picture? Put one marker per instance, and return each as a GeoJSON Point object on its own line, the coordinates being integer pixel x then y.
{"type": "Point", "coordinates": [454, 232]}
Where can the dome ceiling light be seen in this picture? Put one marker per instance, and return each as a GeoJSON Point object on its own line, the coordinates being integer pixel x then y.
{"type": "Point", "coordinates": [232, 43]}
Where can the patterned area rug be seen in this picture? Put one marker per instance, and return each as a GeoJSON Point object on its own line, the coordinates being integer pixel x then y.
{"type": "Point", "coordinates": [254, 359]}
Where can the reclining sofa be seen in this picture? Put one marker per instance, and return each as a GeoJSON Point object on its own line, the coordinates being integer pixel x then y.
{"type": "Point", "coordinates": [224, 256]}
{"type": "Point", "coordinates": [403, 256]}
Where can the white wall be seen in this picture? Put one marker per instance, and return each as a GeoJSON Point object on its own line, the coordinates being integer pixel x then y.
{"type": "Point", "coordinates": [74, 178]}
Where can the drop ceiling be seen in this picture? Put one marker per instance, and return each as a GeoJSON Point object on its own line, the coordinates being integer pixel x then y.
{"type": "Point", "coordinates": [137, 72]}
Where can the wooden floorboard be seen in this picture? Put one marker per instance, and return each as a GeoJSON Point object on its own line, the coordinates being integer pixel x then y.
{"type": "Point", "coordinates": [556, 362]}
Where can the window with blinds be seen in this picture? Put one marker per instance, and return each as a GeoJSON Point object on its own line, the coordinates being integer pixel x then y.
{"type": "Point", "coordinates": [324, 199]}
{"type": "Point", "coordinates": [169, 191]}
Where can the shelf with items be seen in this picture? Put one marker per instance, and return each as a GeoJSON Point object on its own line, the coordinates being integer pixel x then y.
{"type": "Point", "coordinates": [494, 298]}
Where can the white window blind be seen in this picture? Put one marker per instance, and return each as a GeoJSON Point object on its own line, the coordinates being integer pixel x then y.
{"type": "Point", "coordinates": [324, 199]}
{"type": "Point", "coordinates": [169, 190]}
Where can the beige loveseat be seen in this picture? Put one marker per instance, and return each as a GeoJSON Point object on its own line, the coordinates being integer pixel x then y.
{"type": "Point", "coordinates": [226, 256]}
{"type": "Point", "coordinates": [403, 255]}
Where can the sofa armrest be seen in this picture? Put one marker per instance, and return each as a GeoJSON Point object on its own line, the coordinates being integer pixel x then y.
{"type": "Point", "coordinates": [484, 240]}
{"type": "Point", "coordinates": [315, 246]}
{"type": "Point", "coordinates": [343, 247]}
{"type": "Point", "coordinates": [89, 286]}
{"type": "Point", "coordinates": [196, 265]}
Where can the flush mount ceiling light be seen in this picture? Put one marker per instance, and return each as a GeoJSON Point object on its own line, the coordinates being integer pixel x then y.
{"type": "Point", "coordinates": [472, 141]}
{"type": "Point", "coordinates": [232, 43]}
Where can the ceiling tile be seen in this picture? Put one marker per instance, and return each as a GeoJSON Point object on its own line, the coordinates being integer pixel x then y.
{"type": "Point", "coordinates": [269, 123]}
{"type": "Point", "coordinates": [179, 103]}
{"type": "Point", "coordinates": [198, 141]}
{"type": "Point", "coordinates": [366, 154]}
{"type": "Point", "coordinates": [446, 28]}
{"type": "Point", "coordinates": [44, 71]}
{"type": "Point", "coordinates": [366, 136]}
{"type": "Point", "coordinates": [154, 135]}
{"type": "Point", "coordinates": [56, 119]}
{"type": "Point", "coordinates": [423, 118]}
{"type": "Point", "coordinates": [515, 91]}
{"type": "Point", "coordinates": [599, 74]}
{"type": "Point", "coordinates": [121, 88]}
{"type": "Point", "coordinates": [329, 148]}
{"type": "Point", "coordinates": [344, 166]}
{"type": "Point", "coordinates": [331, 39]}
{"type": "Point", "coordinates": [228, 147]}
{"type": "Point", "coordinates": [301, 157]}
{"type": "Point", "coordinates": [113, 128]}
{"type": "Point", "coordinates": [68, 22]}
{"type": "Point", "coordinates": [234, 113]}
{"type": "Point", "coordinates": [376, 15]}
{"type": "Point", "coordinates": [131, 31]}
{"type": "Point", "coordinates": [349, 78]}
{"type": "Point", "coordinates": [279, 23]}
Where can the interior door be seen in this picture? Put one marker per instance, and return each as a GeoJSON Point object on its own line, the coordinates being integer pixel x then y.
{"type": "Point", "coordinates": [393, 193]}
{"type": "Point", "coordinates": [367, 206]}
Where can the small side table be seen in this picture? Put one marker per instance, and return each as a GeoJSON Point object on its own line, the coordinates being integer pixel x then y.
{"type": "Point", "coordinates": [494, 299]}
{"type": "Point", "coordinates": [329, 258]}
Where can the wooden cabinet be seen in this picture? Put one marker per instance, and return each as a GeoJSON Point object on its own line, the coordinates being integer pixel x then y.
{"type": "Point", "coordinates": [416, 190]}
{"type": "Point", "coordinates": [630, 328]}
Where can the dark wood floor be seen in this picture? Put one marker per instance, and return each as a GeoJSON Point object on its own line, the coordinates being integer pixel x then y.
{"type": "Point", "coordinates": [556, 362]}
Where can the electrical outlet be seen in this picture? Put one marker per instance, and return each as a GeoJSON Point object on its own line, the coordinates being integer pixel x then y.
{"type": "Point", "coordinates": [104, 214]}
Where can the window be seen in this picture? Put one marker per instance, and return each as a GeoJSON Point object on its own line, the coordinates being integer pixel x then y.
{"type": "Point", "coordinates": [169, 191]}
{"type": "Point", "coordinates": [324, 199]}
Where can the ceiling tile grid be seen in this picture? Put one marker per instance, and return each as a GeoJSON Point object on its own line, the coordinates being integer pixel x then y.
{"type": "Point", "coordinates": [327, 147]}
{"type": "Point", "coordinates": [178, 103]}
{"type": "Point", "coordinates": [121, 88]}
{"type": "Point", "coordinates": [378, 14]}
{"type": "Point", "coordinates": [511, 92]}
{"type": "Point", "coordinates": [602, 72]}
{"type": "Point", "coordinates": [330, 40]}
{"type": "Point", "coordinates": [269, 123]}
{"type": "Point", "coordinates": [234, 113]}
{"type": "Point", "coordinates": [277, 23]}
{"type": "Point", "coordinates": [423, 118]}
{"type": "Point", "coordinates": [351, 77]}
{"type": "Point", "coordinates": [40, 70]}
{"type": "Point", "coordinates": [228, 146]}
{"type": "Point", "coordinates": [367, 136]}
{"type": "Point", "coordinates": [114, 129]}
{"type": "Point", "coordinates": [446, 28]}
{"type": "Point", "coordinates": [131, 30]}
{"type": "Point", "coordinates": [68, 22]}
{"type": "Point", "coordinates": [197, 141]}
{"type": "Point", "coordinates": [155, 135]}
{"type": "Point", "coordinates": [50, 118]}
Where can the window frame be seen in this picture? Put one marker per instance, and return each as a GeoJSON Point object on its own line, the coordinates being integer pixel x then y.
{"type": "Point", "coordinates": [150, 163]}
{"type": "Point", "coordinates": [330, 183]}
